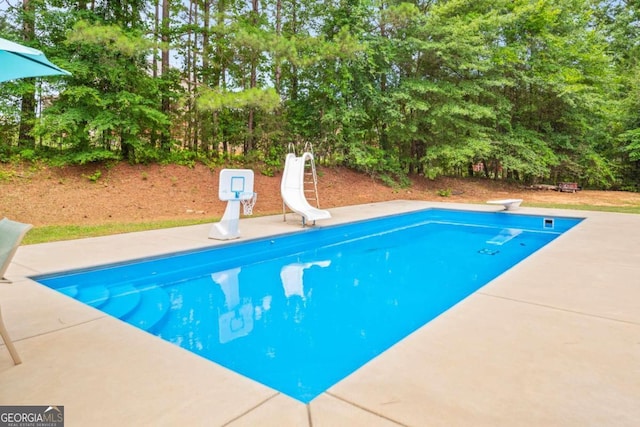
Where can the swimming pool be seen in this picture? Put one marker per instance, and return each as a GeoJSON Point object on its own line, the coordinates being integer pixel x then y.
{"type": "Point", "coordinates": [299, 312]}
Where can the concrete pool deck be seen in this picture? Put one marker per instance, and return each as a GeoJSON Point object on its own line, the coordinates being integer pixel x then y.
{"type": "Point", "coordinates": [554, 341]}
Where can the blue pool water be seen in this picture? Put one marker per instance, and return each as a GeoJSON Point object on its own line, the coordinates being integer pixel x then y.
{"type": "Point", "coordinates": [299, 312]}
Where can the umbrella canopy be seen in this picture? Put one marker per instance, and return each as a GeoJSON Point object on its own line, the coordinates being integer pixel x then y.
{"type": "Point", "coordinates": [17, 61]}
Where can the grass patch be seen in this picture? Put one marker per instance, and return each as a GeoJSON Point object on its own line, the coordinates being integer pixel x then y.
{"type": "Point", "coordinates": [54, 233]}
{"type": "Point", "coordinates": [633, 209]}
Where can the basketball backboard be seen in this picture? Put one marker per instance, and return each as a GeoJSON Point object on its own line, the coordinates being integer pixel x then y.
{"type": "Point", "coordinates": [235, 184]}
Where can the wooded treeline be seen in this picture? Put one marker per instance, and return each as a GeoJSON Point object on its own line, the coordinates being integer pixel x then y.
{"type": "Point", "coordinates": [530, 90]}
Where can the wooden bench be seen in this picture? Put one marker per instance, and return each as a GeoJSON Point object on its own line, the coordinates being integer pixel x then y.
{"type": "Point", "coordinates": [569, 187]}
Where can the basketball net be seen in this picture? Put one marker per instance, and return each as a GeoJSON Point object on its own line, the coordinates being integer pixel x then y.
{"type": "Point", "coordinates": [248, 204]}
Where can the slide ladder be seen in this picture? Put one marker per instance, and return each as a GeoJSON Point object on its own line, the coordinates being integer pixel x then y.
{"type": "Point", "coordinates": [299, 185]}
{"type": "Point", "coordinates": [311, 177]}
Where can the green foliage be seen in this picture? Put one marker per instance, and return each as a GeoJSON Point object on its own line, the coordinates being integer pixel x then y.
{"type": "Point", "coordinates": [376, 163]}
{"type": "Point", "coordinates": [631, 143]}
{"type": "Point", "coordinates": [267, 163]}
{"type": "Point", "coordinates": [597, 172]}
{"type": "Point", "coordinates": [178, 156]}
{"type": "Point", "coordinates": [28, 155]}
{"type": "Point", "coordinates": [111, 36]}
{"type": "Point", "coordinates": [215, 100]}
{"type": "Point", "coordinates": [525, 151]}
{"type": "Point", "coordinates": [84, 157]}
{"type": "Point", "coordinates": [7, 175]}
{"type": "Point", "coordinates": [140, 152]}
{"type": "Point", "coordinates": [94, 177]}
{"type": "Point", "coordinates": [532, 90]}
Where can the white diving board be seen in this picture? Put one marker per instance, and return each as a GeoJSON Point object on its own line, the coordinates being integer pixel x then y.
{"type": "Point", "coordinates": [509, 204]}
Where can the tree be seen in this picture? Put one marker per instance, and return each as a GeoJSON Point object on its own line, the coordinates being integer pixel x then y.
{"type": "Point", "coordinates": [532, 91]}
{"type": "Point", "coordinates": [28, 104]}
{"type": "Point", "coordinates": [110, 105]}
{"type": "Point", "coordinates": [558, 88]}
{"type": "Point", "coordinates": [620, 21]}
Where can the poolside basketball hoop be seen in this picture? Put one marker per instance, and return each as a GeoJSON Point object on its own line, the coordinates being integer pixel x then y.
{"type": "Point", "coordinates": [236, 186]}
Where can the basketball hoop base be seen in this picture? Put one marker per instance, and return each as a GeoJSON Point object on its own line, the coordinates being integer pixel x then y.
{"type": "Point", "coordinates": [227, 228]}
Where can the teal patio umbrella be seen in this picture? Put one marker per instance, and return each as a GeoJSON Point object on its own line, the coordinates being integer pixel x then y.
{"type": "Point", "coordinates": [18, 61]}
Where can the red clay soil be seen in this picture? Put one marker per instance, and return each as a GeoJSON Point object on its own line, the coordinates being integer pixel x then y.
{"type": "Point", "coordinates": [93, 194]}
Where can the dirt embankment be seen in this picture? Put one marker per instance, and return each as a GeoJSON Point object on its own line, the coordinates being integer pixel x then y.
{"type": "Point", "coordinates": [125, 193]}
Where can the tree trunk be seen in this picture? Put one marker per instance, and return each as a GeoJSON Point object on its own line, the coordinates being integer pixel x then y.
{"type": "Point", "coordinates": [28, 101]}
{"type": "Point", "coordinates": [164, 71]}
{"type": "Point", "coordinates": [278, 67]}
{"type": "Point", "coordinates": [154, 64]}
{"type": "Point", "coordinates": [253, 81]}
{"type": "Point", "coordinates": [294, 70]}
{"type": "Point", "coordinates": [187, 76]}
{"type": "Point", "coordinates": [384, 137]}
{"type": "Point", "coordinates": [156, 36]}
{"type": "Point", "coordinates": [207, 118]}
{"type": "Point", "coordinates": [195, 82]}
{"type": "Point", "coordinates": [218, 70]}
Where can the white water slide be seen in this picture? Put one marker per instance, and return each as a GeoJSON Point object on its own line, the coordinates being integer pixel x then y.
{"type": "Point", "coordinates": [292, 189]}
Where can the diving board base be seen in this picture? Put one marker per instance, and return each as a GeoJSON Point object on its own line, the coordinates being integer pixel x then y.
{"type": "Point", "coordinates": [509, 204]}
